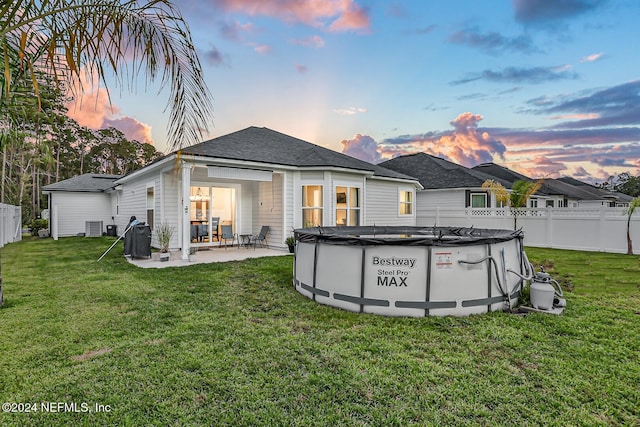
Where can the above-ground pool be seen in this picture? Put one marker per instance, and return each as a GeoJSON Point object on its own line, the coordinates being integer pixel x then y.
{"type": "Point", "coordinates": [410, 271]}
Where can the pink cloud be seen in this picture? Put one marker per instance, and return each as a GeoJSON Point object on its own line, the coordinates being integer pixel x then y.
{"type": "Point", "coordinates": [91, 108]}
{"type": "Point", "coordinates": [331, 15]}
{"type": "Point", "coordinates": [350, 111]}
{"type": "Point", "coordinates": [465, 145]}
{"type": "Point", "coordinates": [540, 167]}
{"type": "Point", "coordinates": [313, 41]}
{"type": "Point", "coordinates": [132, 128]}
{"type": "Point", "coordinates": [261, 48]}
{"type": "Point", "coordinates": [362, 147]}
{"type": "Point", "coordinates": [301, 68]}
{"type": "Point", "coordinates": [585, 116]}
{"type": "Point", "coordinates": [592, 58]}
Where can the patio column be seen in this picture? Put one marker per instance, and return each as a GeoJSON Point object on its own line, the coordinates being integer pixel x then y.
{"type": "Point", "coordinates": [186, 205]}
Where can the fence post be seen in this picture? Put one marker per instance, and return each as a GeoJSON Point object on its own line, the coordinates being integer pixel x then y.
{"type": "Point", "coordinates": [601, 225]}
{"type": "Point", "coordinates": [549, 212]}
{"type": "Point", "coordinates": [3, 214]}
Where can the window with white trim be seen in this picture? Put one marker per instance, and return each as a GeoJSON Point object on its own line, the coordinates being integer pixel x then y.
{"type": "Point", "coordinates": [478, 200]}
{"type": "Point", "coordinates": [405, 202]}
{"type": "Point", "coordinates": [150, 206]}
{"type": "Point", "coordinates": [348, 206]}
{"type": "Point", "coordinates": [311, 205]}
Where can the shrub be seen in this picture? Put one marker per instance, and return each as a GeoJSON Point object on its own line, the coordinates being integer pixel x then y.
{"type": "Point", "coordinates": [37, 225]}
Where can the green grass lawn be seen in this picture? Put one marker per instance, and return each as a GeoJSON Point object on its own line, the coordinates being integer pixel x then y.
{"type": "Point", "coordinates": [235, 344]}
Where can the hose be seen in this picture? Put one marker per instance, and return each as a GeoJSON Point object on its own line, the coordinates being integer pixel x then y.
{"type": "Point", "coordinates": [505, 294]}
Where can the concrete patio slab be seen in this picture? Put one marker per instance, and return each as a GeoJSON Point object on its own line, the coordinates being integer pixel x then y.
{"type": "Point", "coordinates": [208, 256]}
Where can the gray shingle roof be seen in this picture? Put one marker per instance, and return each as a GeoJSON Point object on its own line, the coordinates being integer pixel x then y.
{"type": "Point", "coordinates": [434, 172]}
{"type": "Point", "coordinates": [89, 182]}
{"type": "Point", "coordinates": [264, 145]}
{"type": "Point", "coordinates": [599, 193]}
{"type": "Point", "coordinates": [554, 187]}
{"type": "Point", "coordinates": [501, 172]}
{"type": "Point", "coordinates": [569, 187]}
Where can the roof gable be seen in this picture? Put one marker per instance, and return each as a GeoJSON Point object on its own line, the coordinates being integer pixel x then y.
{"type": "Point", "coordinates": [598, 193]}
{"type": "Point", "coordinates": [501, 172]}
{"type": "Point", "coordinates": [263, 145]}
{"type": "Point", "coordinates": [436, 173]}
{"type": "Point", "coordinates": [88, 182]}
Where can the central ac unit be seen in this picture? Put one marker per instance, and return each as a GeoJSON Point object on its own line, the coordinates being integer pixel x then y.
{"type": "Point", "coordinates": [93, 228]}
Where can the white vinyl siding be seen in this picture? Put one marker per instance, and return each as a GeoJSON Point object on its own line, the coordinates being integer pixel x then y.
{"type": "Point", "coordinates": [133, 202]}
{"type": "Point", "coordinates": [381, 204]}
{"type": "Point", "coordinates": [73, 209]}
{"type": "Point", "coordinates": [269, 210]}
{"type": "Point", "coordinates": [443, 199]}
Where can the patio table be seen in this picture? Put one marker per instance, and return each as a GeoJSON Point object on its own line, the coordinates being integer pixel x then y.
{"type": "Point", "coordinates": [246, 240]}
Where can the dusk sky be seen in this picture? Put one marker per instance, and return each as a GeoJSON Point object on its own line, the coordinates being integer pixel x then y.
{"type": "Point", "coordinates": [544, 87]}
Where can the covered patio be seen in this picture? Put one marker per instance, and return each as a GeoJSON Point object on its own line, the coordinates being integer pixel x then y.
{"type": "Point", "coordinates": [207, 256]}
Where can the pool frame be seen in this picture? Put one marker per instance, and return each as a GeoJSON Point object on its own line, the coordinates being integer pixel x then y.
{"type": "Point", "coordinates": [397, 271]}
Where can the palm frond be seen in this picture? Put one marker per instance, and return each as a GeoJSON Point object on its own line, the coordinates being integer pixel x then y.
{"type": "Point", "coordinates": [130, 38]}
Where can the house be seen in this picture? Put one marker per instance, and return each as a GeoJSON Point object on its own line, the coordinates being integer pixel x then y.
{"type": "Point", "coordinates": [446, 185]}
{"type": "Point", "coordinates": [259, 177]}
{"type": "Point", "coordinates": [80, 204]}
{"type": "Point", "coordinates": [601, 197]}
{"type": "Point", "coordinates": [563, 192]}
{"type": "Point", "coordinates": [552, 192]}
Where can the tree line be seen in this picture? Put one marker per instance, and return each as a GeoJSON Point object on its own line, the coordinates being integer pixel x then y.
{"type": "Point", "coordinates": [41, 145]}
{"type": "Point", "coordinates": [46, 49]}
{"type": "Point", "coordinates": [622, 183]}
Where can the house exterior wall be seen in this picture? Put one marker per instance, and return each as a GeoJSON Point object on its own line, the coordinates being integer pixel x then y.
{"type": "Point", "coordinates": [381, 203]}
{"type": "Point", "coordinates": [269, 210]}
{"type": "Point", "coordinates": [288, 203]}
{"type": "Point", "coordinates": [133, 201]}
{"type": "Point", "coordinates": [73, 209]}
{"type": "Point", "coordinates": [169, 201]}
{"type": "Point", "coordinates": [453, 198]}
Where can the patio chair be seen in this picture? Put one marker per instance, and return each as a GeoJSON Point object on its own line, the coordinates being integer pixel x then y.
{"type": "Point", "coordinates": [215, 222]}
{"type": "Point", "coordinates": [262, 237]}
{"type": "Point", "coordinates": [228, 234]}
{"type": "Point", "coordinates": [203, 232]}
{"type": "Point", "coordinates": [194, 232]}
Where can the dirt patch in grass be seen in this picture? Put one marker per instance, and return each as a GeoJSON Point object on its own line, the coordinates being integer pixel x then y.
{"type": "Point", "coordinates": [87, 355]}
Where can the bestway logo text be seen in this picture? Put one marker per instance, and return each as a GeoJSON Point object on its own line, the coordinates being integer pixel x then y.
{"type": "Point", "coordinates": [395, 262]}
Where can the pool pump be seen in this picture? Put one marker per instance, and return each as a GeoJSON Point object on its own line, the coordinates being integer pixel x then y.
{"type": "Point", "coordinates": [544, 292]}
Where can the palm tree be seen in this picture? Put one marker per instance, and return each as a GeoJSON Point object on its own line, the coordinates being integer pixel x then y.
{"type": "Point", "coordinates": [521, 191]}
{"type": "Point", "coordinates": [632, 207]}
{"type": "Point", "coordinates": [62, 39]}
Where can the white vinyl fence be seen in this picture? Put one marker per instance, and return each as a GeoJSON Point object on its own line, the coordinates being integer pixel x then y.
{"type": "Point", "coordinates": [10, 224]}
{"type": "Point", "coordinates": [598, 229]}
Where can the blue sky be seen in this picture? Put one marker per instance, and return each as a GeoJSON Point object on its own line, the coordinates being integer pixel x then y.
{"type": "Point", "coordinates": [544, 87]}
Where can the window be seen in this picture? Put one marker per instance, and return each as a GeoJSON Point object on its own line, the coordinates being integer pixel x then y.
{"type": "Point", "coordinates": [347, 206]}
{"type": "Point", "coordinates": [150, 204]}
{"type": "Point", "coordinates": [478, 200]}
{"type": "Point", "coordinates": [534, 203]}
{"type": "Point", "coordinates": [406, 202]}
{"type": "Point", "coordinates": [311, 205]}
{"type": "Point", "coordinates": [549, 204]}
